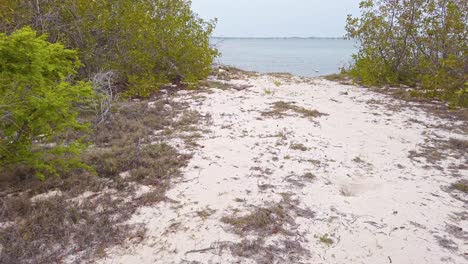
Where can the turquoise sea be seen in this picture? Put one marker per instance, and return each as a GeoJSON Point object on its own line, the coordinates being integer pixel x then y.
{"type": "Point", "coordinates": [299, 56]}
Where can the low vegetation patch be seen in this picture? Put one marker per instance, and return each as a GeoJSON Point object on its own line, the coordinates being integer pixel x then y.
{"type": "Point", "coordinates": [262, 220]}
{"type": "Point", "coordinates": [326, 240]}
{"type": "Point", "coordinates": [433, 151]}
{"type": "Point", "coordinates": [345, 192]}
{"type": "Point", "coordinates": [216, 85]}
{"type": "Point", "coordinates": [227, 73]}
{"type": "Point", "coordinates": [281, 75]}
{"type": "Point", "coordinates": [461, 186]}
{"type": "Point", "coordinates": [205, 213]}
{"type": "Point", "coordinates": [48, 230]}
{"type": "Point", "coordinates": [298, 146]}
{"type": "Point", "coordinates": [88, 211]}
{"type": "Point", "coordinates": [309, 176]}
{"type": "Point", "coordinates": [459, 144]}
{"type": "Point", "coordinates": [283, 251]}
{"type": "Point", "coordinates": [281, 108]}
{"type": "Point", "coordinates": [268, 222]}
{"type": "Point", "coordinates": [342, 78]}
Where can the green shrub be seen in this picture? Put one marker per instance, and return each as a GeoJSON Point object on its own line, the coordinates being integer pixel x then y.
{"type": "Point", "coordinates": [38, 104]}
{"type": "Point", "coordinates": [148, 42]}
{"type": "Point", "coordinates": [420, 43]}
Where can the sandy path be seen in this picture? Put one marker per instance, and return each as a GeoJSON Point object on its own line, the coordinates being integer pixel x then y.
{"type": "Point", "coordinates": [349, 189]}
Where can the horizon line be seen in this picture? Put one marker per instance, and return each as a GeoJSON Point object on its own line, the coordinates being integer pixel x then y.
{"type": "Point", "coordinates": [313, 37]}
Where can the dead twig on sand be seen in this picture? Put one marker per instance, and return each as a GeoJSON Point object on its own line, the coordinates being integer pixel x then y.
{"type": "Point", "coordinates": [200, 250]}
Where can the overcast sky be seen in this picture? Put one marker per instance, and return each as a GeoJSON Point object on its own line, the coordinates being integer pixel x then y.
{"type": "Point", "coordinates": [277, 18]}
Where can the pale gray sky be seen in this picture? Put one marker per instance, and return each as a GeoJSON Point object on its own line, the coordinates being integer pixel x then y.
{"type": "Point", "coordinates": [277, 18]}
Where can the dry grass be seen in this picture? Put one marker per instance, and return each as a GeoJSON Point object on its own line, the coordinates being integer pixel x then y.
{"type": "Point", "coordinates": [284, 251]}
{"type": "Point", "coordinates": [461, 186]}
{"type": "Point", "coordinates": [205, 213]}
{"type": "Point", "coordinates": [447, 243]}
{"type": "Point", "coordinates": [124, 143]}
{"type": "Point", "coordinates": [435, 150]}
{"type": "Point", "coordinates": [341, 78]}
{"type": "Point", "coordinates": [361, 162]}
{"type": "Point", "coordinates": [309, 176]}
{"type": "Point", "coordinates": [276, 221]}
{"type": "Point", "coordinates": [459, 144]}
{"type": "Point", "coordinates": [429, 105]}
{"type": "Point", "coordinates": [261, 172]}
{"type": "Point", "coordinates": [263, 220]}
{"type": "Point", "coordinates": [358, 160]}
{"type": "Point", "coordinates": [269, 220]}
{"type": "Point", "coordinates": [298, 146]}
{"type": "Point", "coordinates": [49, 230]}
{"type": "Point", "coordinates": [216, 85]}
{"type": "Point", "coordinates": [281, 108]}
{"type": "Point", "coordinates": [346, 192]}
{"type": "Point", "coordinates": [152, 197]}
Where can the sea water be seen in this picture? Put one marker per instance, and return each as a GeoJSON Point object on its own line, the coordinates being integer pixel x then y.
{"type": "Point", "coordinates": [299, 56]}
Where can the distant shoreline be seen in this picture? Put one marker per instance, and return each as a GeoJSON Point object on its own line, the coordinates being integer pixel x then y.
{"type": "Point", "coordinates": [340, 38]}
{"type": "Point", "coordinates": [227, 67]}
{"type": "Point", "coordinates": [309, 57]}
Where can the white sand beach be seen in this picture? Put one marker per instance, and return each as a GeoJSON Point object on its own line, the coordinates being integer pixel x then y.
{"type": "Point", "coordinates": [305, 170]}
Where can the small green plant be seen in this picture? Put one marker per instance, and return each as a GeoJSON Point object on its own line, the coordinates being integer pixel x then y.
{"type": "Point", "coordinates": [277, 83]}
{"type": "Point", "coordinates": [268, 91]}
{"type": "Point", "coordinates": [281, 107]}
{"type": "Point", "coordinates": [326, 240]}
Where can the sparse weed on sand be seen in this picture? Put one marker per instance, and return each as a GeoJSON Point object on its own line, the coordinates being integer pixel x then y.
{"type": "Point", "coordinates": [266, 222]}
{"type": "Point", "coordinates": [268, 91]}
{"type": "Point", "coordinates": [461, 186]}
{"type": "Point", "coordinates": [459, 144]}
{"type": "Point", "coordinates": [298, 146]}
{"type": "Point", "coordinates": [309, 176]}
{"type": "Point", "coordinates": [433, 151]}
{"type": "Point", "coordinates": [281, 108]}
{"type": "Point", "coordinates": [216, 85]}
{"type": "Point", "coordinates": [341, 78]}
{"type": "Point", "coordinates": [269, 220]}
{"type": "Point", "coordinates": [283, 251]}
{"type": "Point", "coordinates": [326, 240]}
{"type": "Point", "coordinates": [205, 213]}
